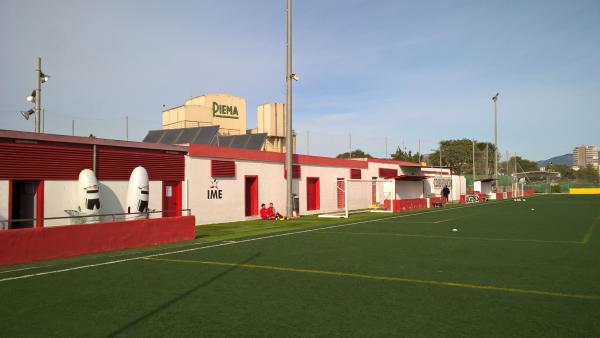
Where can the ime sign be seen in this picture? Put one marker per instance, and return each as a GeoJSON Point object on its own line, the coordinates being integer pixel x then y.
{"type": "Point", "coordinates": [213, 192]}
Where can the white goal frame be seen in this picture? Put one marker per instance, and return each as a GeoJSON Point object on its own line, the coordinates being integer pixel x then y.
{"type": "Point", "coordinates": [346, 213]}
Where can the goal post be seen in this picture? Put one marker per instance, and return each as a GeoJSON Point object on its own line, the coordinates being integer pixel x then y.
{"type": "Point", "coordinates": [363, 195]}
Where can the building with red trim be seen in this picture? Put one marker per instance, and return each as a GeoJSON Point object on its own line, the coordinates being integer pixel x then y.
{"type": "Point", "coordinates": [39, 178]}
{"type": "Point", "coordinates": [39, 174]}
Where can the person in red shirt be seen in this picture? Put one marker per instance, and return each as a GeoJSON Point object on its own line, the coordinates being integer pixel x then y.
{"type": "Point", "coordinates": [274, 214]}
{"type": "Point", "coordinates": [264, 212]}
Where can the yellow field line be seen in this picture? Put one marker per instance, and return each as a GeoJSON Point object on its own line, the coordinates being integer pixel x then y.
{"type": "Point", "coordinates": [450, 237]}
{"type": "Point", "coordinates": [588, 234]}
{"type": "Point", "coordinates": [384, 278]}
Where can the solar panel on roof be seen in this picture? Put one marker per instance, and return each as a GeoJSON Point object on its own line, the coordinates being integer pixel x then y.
{"type": "Point", "coordinates": [153, 136]}
{"type": "Point", "coordinates": [170, 136]}
{"type": "Point", "coordinates": [205, 135]}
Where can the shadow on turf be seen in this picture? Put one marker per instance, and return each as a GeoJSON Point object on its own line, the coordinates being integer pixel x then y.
{"type": "Point", "coordinates": [165, 305]}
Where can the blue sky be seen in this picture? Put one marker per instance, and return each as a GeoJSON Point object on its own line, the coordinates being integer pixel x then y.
{"type": "Point", "coordinates": [405, 70]}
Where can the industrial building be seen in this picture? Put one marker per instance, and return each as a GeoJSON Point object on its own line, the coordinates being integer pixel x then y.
{"type": "Point", "coordinates": [223, 116]}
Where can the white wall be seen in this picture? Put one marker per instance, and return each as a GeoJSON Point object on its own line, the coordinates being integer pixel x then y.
{"type": "Point", "coordinates": [3, 205]}
{"type": "Point", "coordinates": [62, 195]}
{"type": "Point", "coordinates": [271, 188]}
{"type": "Point", "coordinates": [409, 189]}
{"type": "Point", "coordinates": [459, 187]}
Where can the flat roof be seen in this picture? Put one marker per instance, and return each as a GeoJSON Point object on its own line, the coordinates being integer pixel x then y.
{"type": "Point", "coordinates": [43, 137]}
{"type": "Point", "coordinates": [202, 150]}
{"type": "Point", "coordinates": [388, 161]}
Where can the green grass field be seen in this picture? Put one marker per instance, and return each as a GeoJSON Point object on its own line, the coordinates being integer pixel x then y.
{"type": "Point", "coordinates": [513, 269]}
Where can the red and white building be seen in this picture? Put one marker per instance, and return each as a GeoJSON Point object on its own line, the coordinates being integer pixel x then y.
{"type": "Point", "coordinates": [39, 175]}
{"type": "Point", "coordinates": [39, 179]}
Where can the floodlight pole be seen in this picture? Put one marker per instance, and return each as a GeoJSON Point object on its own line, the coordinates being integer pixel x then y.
{"type": "Point", "coordinates": [288, 120]}
{"type": "Point", "coordinates": [495, 98]}
{"type": "Point", "coordinates": [38, 94]}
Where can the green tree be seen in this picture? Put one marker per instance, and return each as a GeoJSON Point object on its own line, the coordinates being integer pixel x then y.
{"type": "Point", "coordinates": [401, 155]}
{"type": "Point", "coordinates": [522, 165]}
{"type": "Point", "coordinates": [566, 172]}
{"type": "Point", "coordinates": [358, 153]}
{"type": "Point", "coordinates": [458, 155]}
{"type": "Point", "coordinates": [588, 174]}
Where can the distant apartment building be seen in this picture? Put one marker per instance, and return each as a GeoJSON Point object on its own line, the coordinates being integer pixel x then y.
{"type": "Point", "coordinates": [584, 156]}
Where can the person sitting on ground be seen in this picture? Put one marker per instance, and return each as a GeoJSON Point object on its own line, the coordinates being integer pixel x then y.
{"type": "Point", "coordinates": [264, 212]}
{"type": "Point", "coordinates": [274, 213]}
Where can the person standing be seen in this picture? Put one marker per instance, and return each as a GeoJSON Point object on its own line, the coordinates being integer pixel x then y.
{"type": "Point", "coordinates": [446, 193]}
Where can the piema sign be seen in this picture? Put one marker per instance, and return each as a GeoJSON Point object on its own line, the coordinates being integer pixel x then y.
{"type": "Point", "coordinates": [225, 111]}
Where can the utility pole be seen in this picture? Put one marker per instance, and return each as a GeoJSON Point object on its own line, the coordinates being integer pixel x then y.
{"type": "Point", "coordinates": [38, 93]}
{"type": "Point", "coordinates": [307, 143]}
{"type": "Point", "coordinates": [288, 106]}
{"type": "Point", "coordinates": [473, 141]}
{"type": "Point", "coordinates": [419, 151]}
{"type": "Point", "coordinates": [487, 160]}
{"type": "Point", "coordinates": [126, 128]}
{"type": "Point", "coordinates": [72, 127]}
{"type": "Point", "coordinates": [440, 155]}
{"type": "Point", "coordinates": [350, 144]}
{"type": "Point", "coordinates": [495, 98]}
{"type": "Point", "coordinates": [386, 150]}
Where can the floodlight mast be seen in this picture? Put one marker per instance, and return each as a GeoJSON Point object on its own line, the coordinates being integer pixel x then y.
{"type": "Point", "coordinates": [495, 98]}
{"type": "Point", "coordinates": [38, 92]}
{"type": "Point", "coordinates": [288, 106]}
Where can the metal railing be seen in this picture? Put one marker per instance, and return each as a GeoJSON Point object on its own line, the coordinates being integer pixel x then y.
{"type": "Point", "coordinates": [113, 216]}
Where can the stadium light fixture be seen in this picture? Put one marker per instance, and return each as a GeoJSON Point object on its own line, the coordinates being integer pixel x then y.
{"type": "Point", "coordinates": [31, 98]}
{"type": "Point", "coordinates": [27, 113]}
{"type": "Point", "coordinates": [294, 77]}
{"type": "Point", "coordinates": [495, 99]}
{"type": "Point", "coordinates": [44, 77]}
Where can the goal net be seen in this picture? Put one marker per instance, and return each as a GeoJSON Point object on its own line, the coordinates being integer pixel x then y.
{"type": "Point", "coordinates": [358, 195]}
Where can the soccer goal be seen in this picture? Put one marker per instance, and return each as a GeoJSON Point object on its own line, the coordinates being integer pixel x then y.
{"type": "Point", "coordinates": [358, 195]}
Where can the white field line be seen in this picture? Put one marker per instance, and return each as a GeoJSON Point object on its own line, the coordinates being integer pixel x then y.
{"type": "Point", "coordinates": [229, 243]}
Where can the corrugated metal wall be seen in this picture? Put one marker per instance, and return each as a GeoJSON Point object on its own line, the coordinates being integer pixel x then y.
{"type": "Point", "coordinates": [43, 161]}
{"type": "Point", "coordinates": [117, 164]}
{"type": "Point", "coordinates": [64, 161]}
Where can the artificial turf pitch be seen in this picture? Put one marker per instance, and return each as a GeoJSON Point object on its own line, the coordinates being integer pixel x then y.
{"type": "Point", "coordinates": [512, 269]}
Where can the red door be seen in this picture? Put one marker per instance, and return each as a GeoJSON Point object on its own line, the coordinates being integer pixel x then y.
{"type": "Point", "coordinates": [312, 193]}
{"type": "Point", "coordinates": [171, 193]}
{"type": "Point", "coordinates": [251, 196]}
{"type": "Point", "coordinates": [341, 191]}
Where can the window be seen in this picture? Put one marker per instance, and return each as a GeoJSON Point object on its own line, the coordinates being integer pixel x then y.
{"type": "Point", "coordinates": [386, 172]}
{"type": "Point", "coordinates": [220, 168]}
{"type": "Point", "coordinates": [355, 174]}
